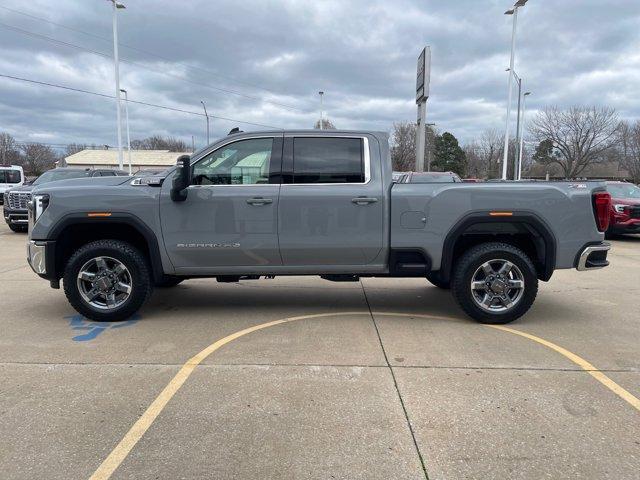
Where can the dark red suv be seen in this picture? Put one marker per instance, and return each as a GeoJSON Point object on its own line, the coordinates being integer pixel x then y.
{"type": "Point", "coordinates": [625, 208]}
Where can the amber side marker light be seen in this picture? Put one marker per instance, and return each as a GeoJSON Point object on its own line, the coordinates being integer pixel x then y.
{"type": "Point", "coordinates": [99, 214]}
{"type": "Point", "coordinates": [501, 214]}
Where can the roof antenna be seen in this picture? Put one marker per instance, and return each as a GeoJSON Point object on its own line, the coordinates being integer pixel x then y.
{"type": "Point", "coordinates": [235, 130]}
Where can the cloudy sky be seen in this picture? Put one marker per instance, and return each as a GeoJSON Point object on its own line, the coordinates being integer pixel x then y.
{"type": "Point", "coordinates": [263, 62]}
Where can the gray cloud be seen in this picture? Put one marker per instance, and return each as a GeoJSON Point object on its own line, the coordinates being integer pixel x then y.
{"type": "Point", "coordinates": [361, 53]}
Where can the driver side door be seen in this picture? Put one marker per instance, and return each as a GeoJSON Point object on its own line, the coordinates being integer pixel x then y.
{"type": "Point", "coordinates": [229, 218]}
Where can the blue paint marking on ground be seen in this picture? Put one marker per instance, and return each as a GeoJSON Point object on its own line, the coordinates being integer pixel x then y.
{"type": "Point", "coordinates": [93, 329]}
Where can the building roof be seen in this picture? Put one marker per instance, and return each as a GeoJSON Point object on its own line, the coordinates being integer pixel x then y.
{"type": "Point", "coordinates": [138, 157]}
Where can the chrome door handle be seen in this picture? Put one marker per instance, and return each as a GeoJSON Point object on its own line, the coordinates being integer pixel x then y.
{"type": "Point", "coordinates": [364, 200]}
{"type": "Point", "coordinates": [259, 201]}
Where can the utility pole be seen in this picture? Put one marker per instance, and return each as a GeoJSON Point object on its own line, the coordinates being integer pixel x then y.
{"type": "Point", "coordinates": [513, 11]}
{"type": "Point", "coordinates": [422, 94]}
{"type": "Point", "coordinates": [206, 115]}
{"type": "Point", "coordinates": [126, 115]}
{"type": "Point", "coordinates": [116, 7]}
{"type": "Point", "coordinates": [321, 93]}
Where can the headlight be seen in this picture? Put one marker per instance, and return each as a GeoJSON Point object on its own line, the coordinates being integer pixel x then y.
{"type": "Point", "coordinates": [619, 208]}
{"type": "Point", "coordinates": [38, 205]}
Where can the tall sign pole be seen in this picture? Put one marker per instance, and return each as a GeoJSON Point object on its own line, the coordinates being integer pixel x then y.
{"type": "Point", "coordinates": [422, 94]}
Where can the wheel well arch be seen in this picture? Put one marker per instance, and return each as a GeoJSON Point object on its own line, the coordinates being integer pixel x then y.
{"type": "Point", "coordinates": [523, 230]}
{"type": "Point", "coordinates": [75, 231]}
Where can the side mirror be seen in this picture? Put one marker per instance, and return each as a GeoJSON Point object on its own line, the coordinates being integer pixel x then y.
{"type": "Point", "coordinates": [182, 179]}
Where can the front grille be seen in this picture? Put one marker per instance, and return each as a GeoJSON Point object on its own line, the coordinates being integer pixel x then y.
{"type": "Point", "coordinates": [634, 212]}
{"type": "Point", "coordinates": [19, 200]}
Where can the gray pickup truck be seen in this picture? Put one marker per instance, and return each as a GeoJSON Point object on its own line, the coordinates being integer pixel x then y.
{"type": "Point", "coordinates": [309, 203]}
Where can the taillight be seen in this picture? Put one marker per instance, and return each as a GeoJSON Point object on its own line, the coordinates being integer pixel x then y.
{"type": "Point", "coordinates": [601, 207]}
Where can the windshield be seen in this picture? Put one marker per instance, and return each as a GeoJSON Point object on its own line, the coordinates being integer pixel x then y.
{"type": "Point", "coordinates": [53, 175]}
{"type": "Point", "coordinates": [9, 176]}
{"type": "Point", "coordinates": [434, 178]}
{"type": "Point", "coordinates": [623, 190]}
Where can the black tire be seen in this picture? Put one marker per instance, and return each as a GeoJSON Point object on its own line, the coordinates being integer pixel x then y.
{"type": "Point", "coordinates": [168, 281]}
{"type": "Point", "coordinates": [472, 260]}
{"type": "Point", "coordinates": [434, 279]}
{"type": "Point", "coordinates": [133, 260]}
{"type": "Point", "coordinates": [18, 228]}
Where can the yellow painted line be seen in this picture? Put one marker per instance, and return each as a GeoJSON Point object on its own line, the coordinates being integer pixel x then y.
{"type": "Point", "coordinates": [120, 452]}
{"type": "Point", "coordinates": [135, 433]}
{"type": "Point", "coordinates": [582, 363]}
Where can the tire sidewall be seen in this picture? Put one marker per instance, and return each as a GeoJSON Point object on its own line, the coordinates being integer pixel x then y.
{"type": "Point", "coordinates": [122, 252]}
{"type": "Point", "coordinates": [468, 266]}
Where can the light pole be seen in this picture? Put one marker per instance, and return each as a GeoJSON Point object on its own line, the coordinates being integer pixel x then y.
{"type": "Point", "coordinates": [126, 119]}
{"type": "Point", "coordinates": [321, 93]}
{"type": "Point", "coordinates": [515, 161]}
{"type": "Point", "coordinates": [116, 7]}
{"type": "Point", "coordinates": [524, 99]}
{"type": "Point", "coordinates": [206, 115]}
{"type": "Point", "coordinates": [513, 11]}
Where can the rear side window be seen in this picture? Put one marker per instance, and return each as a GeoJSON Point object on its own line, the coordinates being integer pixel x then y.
{"type": "Point", "coordinates": [327, 160]}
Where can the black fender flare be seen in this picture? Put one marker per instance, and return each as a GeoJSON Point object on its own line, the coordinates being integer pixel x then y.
{"type": "Point", "coordinates": [530, 219]}
{"type": "Point", "coordinates": [119, 218]}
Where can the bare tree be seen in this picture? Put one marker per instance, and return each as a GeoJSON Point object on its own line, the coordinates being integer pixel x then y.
{"type": "Point", "coordinates": [9, 153]}
{"type": "Point", "coordinates": [579, 136]}
{"type": "Point", "coordinates": [72, 148]}
{"type": "Point", "coordinates": [38, 158]}
{"type": "Point", "coordinates": [629, 148]}
{"type": "Point", "coordinates": [403, 146]}
{"type": "Point", "coordinates": [485, 154]}
{"type": "Point", "coordinates": [326, 125]}
{"type": "Point", "coordinates": [158, 142]}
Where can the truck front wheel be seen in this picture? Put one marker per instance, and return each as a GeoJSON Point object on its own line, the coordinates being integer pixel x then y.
{"type": "Point", "coordinates": [494, 283]}
{"type": "Point", "coordinates": [107, 280]}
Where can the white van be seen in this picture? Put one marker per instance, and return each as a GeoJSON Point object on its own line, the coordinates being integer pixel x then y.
{"type": "Point", "coordinates": [11, 176]}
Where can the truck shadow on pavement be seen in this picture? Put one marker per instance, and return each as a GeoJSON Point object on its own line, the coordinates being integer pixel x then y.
{"type": "Point", "coordinates": [626, 238]}
{"type": "Point", "coordinates": [210, 299]}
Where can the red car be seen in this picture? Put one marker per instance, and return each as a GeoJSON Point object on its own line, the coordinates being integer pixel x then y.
{"type": "Point", "coordinates": [625, 208]}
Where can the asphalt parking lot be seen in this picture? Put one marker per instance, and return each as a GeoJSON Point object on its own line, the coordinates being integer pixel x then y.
{"type": "Point", "coordinates": [383, 379]}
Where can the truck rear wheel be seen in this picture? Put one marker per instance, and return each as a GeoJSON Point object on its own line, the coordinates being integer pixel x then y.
{"type": "Point", "coordinates": [107, 280]}
{"type": "Point", "coordinates": [494, 283]}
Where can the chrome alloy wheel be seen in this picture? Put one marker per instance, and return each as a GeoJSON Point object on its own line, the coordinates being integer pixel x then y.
{"type": "Point", "coordinates": [104, 283]}
{"type": "Point", "coordinates": [497, 286]}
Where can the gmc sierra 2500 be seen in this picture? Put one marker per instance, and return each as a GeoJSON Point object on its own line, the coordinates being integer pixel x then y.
{"type": "Point", "coordinates": [310, 203]}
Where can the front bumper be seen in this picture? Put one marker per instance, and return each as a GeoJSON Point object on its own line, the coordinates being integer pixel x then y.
{"type": "Point", "coordinates": [631, 225]}
{"type": "Point", "coordinates": [16, 216]}
{"type": "Point", "coordinates": [593, 257]}
{"type": "Point", "coordinates": [41, 258]}
{"type": "Point", "coordinates": [37, 256]}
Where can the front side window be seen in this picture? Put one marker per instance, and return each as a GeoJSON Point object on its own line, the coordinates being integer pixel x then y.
{"type": "Point", "coordinates": [245, 162]}
{"type": "Point", "coordinates": [328, 160]}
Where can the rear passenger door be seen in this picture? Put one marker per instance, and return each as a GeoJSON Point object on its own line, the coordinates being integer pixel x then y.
{"type": "Point", "coordinates": [331, 209]}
